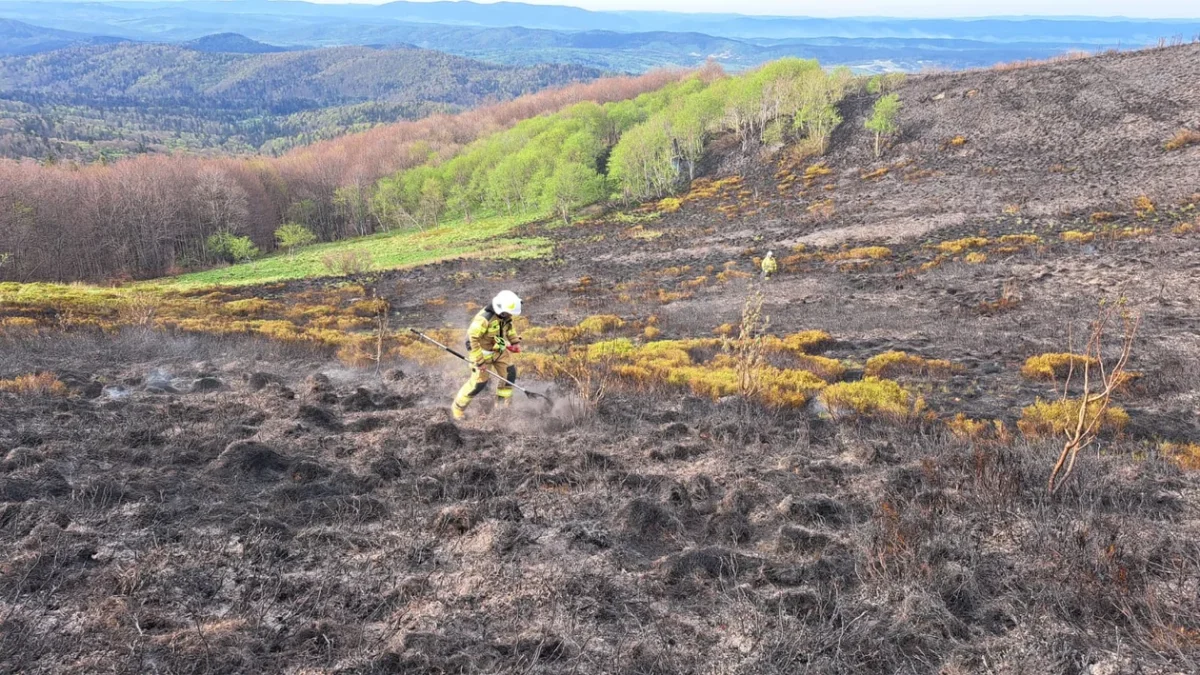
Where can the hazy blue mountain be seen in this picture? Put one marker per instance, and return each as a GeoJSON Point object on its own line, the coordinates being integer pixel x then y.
{"type": "Point", "coordinates": [231, 43]}
{"type": "Point", "coordinates": [522, 34]}
{"type": "Point", "coordinates": [307, 79]}
{"type": "Point", "coordinates": [189, 19]}
{"type": "Point", "coordinates": [1082, 31]}
{"type": "Point", "coordinates": [89, 101]}
{"type": "Point", "coordinates": [18, 38]}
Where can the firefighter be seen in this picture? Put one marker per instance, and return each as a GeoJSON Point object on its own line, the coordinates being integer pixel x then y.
{"type": "Point", "coordinates": [769, 266]}
{"type": "Point", "coordinates": [491, 340]}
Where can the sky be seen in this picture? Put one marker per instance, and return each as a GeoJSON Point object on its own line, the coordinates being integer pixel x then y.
{"type": "Point", "coordinates": [1171, 9]}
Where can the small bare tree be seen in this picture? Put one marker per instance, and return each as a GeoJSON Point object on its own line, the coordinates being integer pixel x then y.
{"type": "Point", "coordinates": [139, 309]}
{"type": "Point", "coordinates": [747, 347]}
{"type": "Point", "coordinates": [1101, 379]}
{"type": "Point", "coordinates": [381, 332]}
{"type": "Point", "coordinates": [592, 376]}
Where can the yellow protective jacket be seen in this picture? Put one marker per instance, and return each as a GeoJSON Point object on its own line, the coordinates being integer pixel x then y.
{"type": "Point", "coordinates": [769, 266]}
{"type": "Point", "coordinates": [486, 330]}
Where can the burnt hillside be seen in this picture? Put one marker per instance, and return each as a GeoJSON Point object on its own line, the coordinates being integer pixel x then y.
{"type": "Point", "coordinates": [186, 498]}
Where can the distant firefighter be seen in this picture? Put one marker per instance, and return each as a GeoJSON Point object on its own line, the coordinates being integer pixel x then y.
{"type": "Point", "coordinates": [769, 266]}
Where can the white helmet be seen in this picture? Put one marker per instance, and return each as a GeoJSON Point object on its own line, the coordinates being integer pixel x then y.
{"type": "Point", "coordinates": [506, 302]}
{"type": "Point", "coordinates": [770, 253]}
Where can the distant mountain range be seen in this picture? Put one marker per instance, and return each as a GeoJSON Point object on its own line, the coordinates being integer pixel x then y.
{"type": "Point", "coordinates": [521, 34]}
{"type": "Point", "coordinates": [17, 37]}
{"type": "Point", "coordinates": [235, 94]}
{"type": "Point", "coordinates": [157, 17]}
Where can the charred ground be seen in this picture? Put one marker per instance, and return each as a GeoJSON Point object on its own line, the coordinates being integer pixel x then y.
{"type": "Point", "coordinates": [222, 504]}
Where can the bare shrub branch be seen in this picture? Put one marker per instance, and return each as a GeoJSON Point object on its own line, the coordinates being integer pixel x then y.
{"type": "Point", "coordinates": [1100, 380]}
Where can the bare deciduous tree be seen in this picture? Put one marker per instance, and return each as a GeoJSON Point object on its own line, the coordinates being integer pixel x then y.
{"type": "Point", "coordinates": [1101, 378]}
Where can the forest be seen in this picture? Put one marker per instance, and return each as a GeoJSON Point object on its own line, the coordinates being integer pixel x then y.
{"type": "Point", "coordinates": [630, 150]}
{"type": "Point", "coordinates": [625, 139]}
{"type": "Point", "coordinates": [102, 102]}
{"type": "Point", "coordinates": [150, 215]}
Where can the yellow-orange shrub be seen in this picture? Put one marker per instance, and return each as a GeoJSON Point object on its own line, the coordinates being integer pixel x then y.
{"type": "Point", "coordinates": [1133, 232]}
{"type": "Point", "coordinates": [1055, 365]}
{"type": "Point", "coordinates": [1020, 240]}
{"type": "Point", "coordinates": [278, 330]}
{"type": "Point", "coordinates": [822, 209]}
{"type": "Point", "coordinates": [894, 363]}
{"type": "Point", "coordinates": [815, 171]}
{"type": "Point", "coordinates": [871, 396]}
{"type": "Point", "coordinates": [600, 324]}
{"type": "Point", "coordinates": [670, 204]}
{"type": "Point", "coordinates": [19, 322]}
{"type": "Point", "coordinates": [1182, 139]}
{"type": "Point", "coordinates": [1048, 418]}
{"type": "Point", "coordinates": [730, 275]}
{"type": "Point", "coordinates": [965, 427]}
{"type": "Point", "coordinates": [251, 307]}
{"type": "Point", "coordinates": [39, 384]}
{"type": "Point", "coordinates": [993, 431]}
{"type": "Point", "coordinates": [827, 369]}
{"type": "Point", "coordinates": [423, 353]}
{"type": "Point", "coordinates": [959, 245]}
{"type": "Point", "coordinates": [870, 252]}
{"type": "Point", "coordinates": [369, 308]}
{"type": "Point", "coordinates": [1186, 455]}
{"type": "Point", "coordinates": [806, 341]}
{"type": "Point", "coordinates": [666, 297]}
{"type": "Point", "coordinates": [619, 348]}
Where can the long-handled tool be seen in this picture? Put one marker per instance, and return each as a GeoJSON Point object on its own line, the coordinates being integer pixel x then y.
{"type": "Point", "coordinates": [531, 394]}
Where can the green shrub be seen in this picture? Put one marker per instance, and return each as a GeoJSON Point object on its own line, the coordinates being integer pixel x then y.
{"type": "Point", "coordinates": [230, 248]}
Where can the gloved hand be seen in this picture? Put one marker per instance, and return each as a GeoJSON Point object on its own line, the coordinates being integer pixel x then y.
{"type": "Point", "coordinates": [486, 357]}
{"type": "Point", "coordinates": [515, 349]}
{"type": "Point", "coordinates": [501, 343]}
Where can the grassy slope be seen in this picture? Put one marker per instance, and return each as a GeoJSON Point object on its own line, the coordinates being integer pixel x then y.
{"type": "Point", "coordinates": [484, 238]}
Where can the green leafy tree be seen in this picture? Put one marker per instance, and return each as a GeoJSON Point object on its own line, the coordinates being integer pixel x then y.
{"type": "Point", "coordinates": [509, 181]}
{"type": "Point", "coordinates": [570, 186]}
{"type": "Point", "coordinates": [642, 163]}
{"type": "Point", "coordinates": [387, 205]}
{"type": "Point", "coordinates": [353, 207]}
{"type": "Point", "coordinates": [622, 117]}
{"type": "Point", "coordinates": [883, 118]}
{"type": "Point", "coordinates": [294, 235]}
{"type": "Point", "coordinates": [433, 201]}
{"type": "Point", "coordinates": [231, 248]}
{"type": "Point", "coordinates": [817, 115]}
{"type": "Point", "coordinates": [884, 83]}
{"type": "Point", "coordinates": [690, 124]}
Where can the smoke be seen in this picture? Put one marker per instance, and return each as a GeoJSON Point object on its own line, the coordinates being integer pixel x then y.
{"type": "Point", "coordinates": [536, 415]}
{"type": "Point", "coordinates": [116, 392]}
{"type": "Point", "coordinates": [159, 377]}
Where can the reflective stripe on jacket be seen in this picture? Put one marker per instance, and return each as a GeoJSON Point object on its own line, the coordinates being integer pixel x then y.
{"type": "Point", "coordinates": [485, 328]}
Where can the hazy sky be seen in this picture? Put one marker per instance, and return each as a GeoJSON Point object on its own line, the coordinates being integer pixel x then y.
{"type": "Point", "coordinates": [927, 8]}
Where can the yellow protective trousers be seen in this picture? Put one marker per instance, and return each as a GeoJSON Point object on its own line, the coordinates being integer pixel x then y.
{"type": "Point", "coordinates": [481, 373]}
